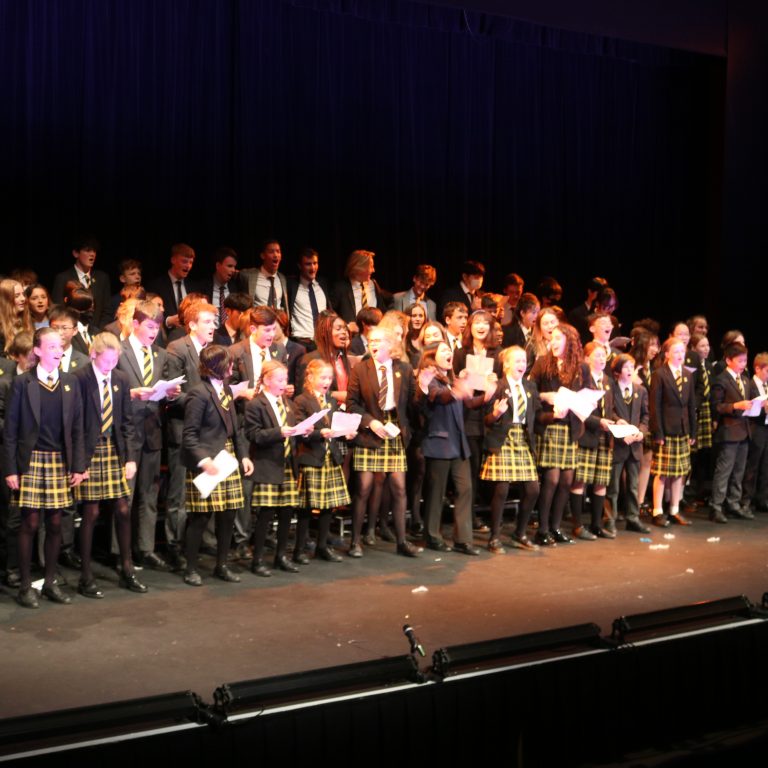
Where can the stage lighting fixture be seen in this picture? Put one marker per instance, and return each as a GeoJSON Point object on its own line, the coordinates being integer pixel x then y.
{"type": "Point", "coordinates": [316, 683]}
{"type": "Point", "coordinates": [449, 659]}
{"type": "Point", "coordinates": [710, 612]}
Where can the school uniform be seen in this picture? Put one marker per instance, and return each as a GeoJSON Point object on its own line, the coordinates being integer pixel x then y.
{"type": "Point", "coordinates": [594, 456]}
{"type": "Point", "coordinates": [321, 480]}
{"type": "Point", "coordinates": [106, 450]}
{"type": "Point", "coordinates": [731, 443]}
{"type": "Point", "coordinates": [144, 486]}
{"type": "Point", "coordinates": [446, 453]}
{"type": "Point", "coordinates": [673, 420]}
{"type": "Point", "coordinates": [755, 486]}
{"type": "Point", "coordinates": [274, 475]}
{"type": "Point", "coordinates": [631, 405]}
{"type": "Point", "coordinates": [341, 371]}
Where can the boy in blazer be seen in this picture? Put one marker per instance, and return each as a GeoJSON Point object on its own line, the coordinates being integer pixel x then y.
{"type": "Point", "coordinates": [755, 492]}
{"type": "Point", "coordinates": [730, 399]}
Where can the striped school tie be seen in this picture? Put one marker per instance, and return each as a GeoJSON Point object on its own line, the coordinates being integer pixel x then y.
{"type": "Point", "coordinates": [520, 401]}
{"type": "Point", "coordinates": [383, 387]}
{"type": "Point", "coordinates": [364, 295]}
{"type": "Point", "coordinates": [283, 416]}
{"type": "Point", "coordinates": [225, 400]}
{"type": "Point", "coordinates": [627, 396]}
{"type": "Point", "coordinates": [106, 408]}
{"type": "Point", "coordinates": [599, 385]}
{"type": "Point", "coordinates": [705, 379]}
{"type": "Point", "coordinates": [740, 384]}
{"type": "Point", "coordinates": [146, 370]}
{"type": "Point", "coordinates": [679, 381]}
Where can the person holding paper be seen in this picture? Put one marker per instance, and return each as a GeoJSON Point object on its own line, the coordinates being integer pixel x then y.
{"type": "Point", "coordinates": [509, 423]}
{"type": "Point", "coordinates": [557, 431]}
{"type": "Point", "coordinates": [730, 393]}
{"type": "Point", "coordinates": [321, 480]}
{"type": "Point", "coordinates": [478, 342]}
{"type": "Point", "coordinates": [144, 363]}
{"type": "Point", "coordinates": [673, 429]}
{"type": "Point", "coordinates": [269, 426]}
{"type": "Point", "coordinates": [381, 390]}
{"type": "Point", "coordinates": [211, 426]}
{"type": "Point", "coordinates": [630, 406]}
{"type": "Point", "coordinates": [594, 455]}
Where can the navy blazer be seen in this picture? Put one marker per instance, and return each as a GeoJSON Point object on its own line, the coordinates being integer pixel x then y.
{"type": "Point", "coordinates": [312, 448]}
{"type": "Point", "coordinates": [123, 432]}
{"type": "Point", "coordinates": [546, 383]}
{"type": "Point", "coordinates": [304, 361]}
{"type": "Point", "coordinates": [732, 425]}
{"type": "Point", "coordinates": [635, 413]}
{"type": "Point", "coordinates": [592, 428]}
{"type": "Point", "coordinates": [343, 299]}
{"type": "Point", "coordinates": [263, 431]}
{"type": "Point", "coordinates": [243, 362]}
{"type": "Point", "coordinates": [444, 435]}
{"type": "Point", "coordinates": [292, 284]}
{"type": "Point", "coordinates": [207, 424]}
{"type": "Point", "coordinates": [672, 414]}
{"type": "Point", "coordinates": [22, 423]}
{"type": "Point", "coordinates": [147, 415]}
{"type": "Point", "coordinates": [183, 360]}
{"type": "Point", "coordinates": [496, 430]}
{"type": "Point", "coordinates": [100, 289]}
{"type": "Point", "coordinates": [363, 398]}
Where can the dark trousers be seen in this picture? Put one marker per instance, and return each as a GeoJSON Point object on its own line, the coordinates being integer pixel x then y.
{"type": "Point", "coordinates": [435, 482]}
{"type": "Point", "coordinates": [755, 487]}
{"type": "Point", "coordinates": [631, 466]}
{"type": "Point", "coordinates": [730, 463]}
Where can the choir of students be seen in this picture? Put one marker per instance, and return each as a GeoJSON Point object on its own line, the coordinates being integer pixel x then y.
{"type": "Point", "coordinates": [465, 407]}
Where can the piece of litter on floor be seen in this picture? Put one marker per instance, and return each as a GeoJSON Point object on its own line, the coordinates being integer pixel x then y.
{"type": "Point", "coordinates": [659, 546]}
{"type": "Point", "coordinates": [639, 597]}
{"type": "Point", "coordinates": [438, 559]}
{"type": "Point", "coordinates": [646, 540]}
{"type": "Point", "coordinates": [422, 588]}
{"type": "Point", "coordinates": [669, 535]}
{"type": "Point", "coordinates": [713, 539]}
{"type": "Point", "coordinates": [689, 570]}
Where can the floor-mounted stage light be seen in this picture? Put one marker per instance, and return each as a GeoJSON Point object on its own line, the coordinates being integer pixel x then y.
{"type": "Point", "coordinates": [453, 658]}
{"type": "Point", "coordinates": [707, 613]}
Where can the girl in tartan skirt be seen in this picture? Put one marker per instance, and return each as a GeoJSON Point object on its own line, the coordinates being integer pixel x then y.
{"type": "Point", "coordinates": [269, 427]}
{"type": "Point", "coordinates": [509, 440]}
{"type": "Point", "coordinates": [110, 450]}
{"type": "Point", "coordinates": [44, 457]}
{"type": "Point", "coordinates": [594, 456]}
{"type": "Point", "coordinates": [673, 430]}
{"type": "Point", "coordinates": [557, 431]}
{"type": "Point", "coordinates": [321, 479]}
{"type": "Point", "coordinates": [210, 426]}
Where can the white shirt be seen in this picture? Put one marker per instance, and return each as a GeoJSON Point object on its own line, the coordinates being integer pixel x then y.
{"type": "Point", "coordinates": [273, 402]}
{"type": "Point", "coordinates": [42, 374]}
{"type": "Point", "coordinates": [138, 351]}
{"type": "Point", "coordinates": [263, 286]}
{"type": "Point", "coordinates": [66, 359]}
{"type": "Point", "coordinates": [256, 351]}
{"type": "Point", "coordinates": [100, 379]}
{"type": "Point", "coordinates": [763, 390]}
{"type": "Point", "coordinates": [513, 387]}
{"type": "Point", "coordinates": [357, 292]}
{"type": "Point", "coordinates": [302, 324]}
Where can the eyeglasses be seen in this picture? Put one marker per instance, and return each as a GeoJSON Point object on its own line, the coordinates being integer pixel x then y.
{"type": "Point", "coordinates": [63, 327]}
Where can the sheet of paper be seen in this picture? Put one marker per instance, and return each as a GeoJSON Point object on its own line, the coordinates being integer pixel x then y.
{"type": "Point", "coordinates": [757, 406]}
{"type": "Point", "coordinates": [226, 464]}
{"type": "Point", "coordinates": [582, 403]}
{"type": "Point", "coordinates": [623, 430]}
{"type": "Point", "coordinates": [310, 420]}
{"type": "Point", "coordinates": [160, 390]}
{"type": "Point", "coordinates": [391, 429]}
{"type": "Point", "coordinates": [238, 388]}
{"type": "Point", "coordinates": [345, 423]}
{"type": "Point", "coordinates": [478, 368]}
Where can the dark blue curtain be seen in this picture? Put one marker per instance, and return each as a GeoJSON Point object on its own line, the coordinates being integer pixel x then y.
{"type": "Point", "coordinates": [421, 132]}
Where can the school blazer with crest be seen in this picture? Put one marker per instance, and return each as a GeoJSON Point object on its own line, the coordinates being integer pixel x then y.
{"type": "Point", "coordinates": [635, 413]}
{"type": "Point", "coordinates": [22, 423]}
{"type": "Point", "coordinates": [206, 426]}
{"type": "Point", "coordinates": [312, 448]}
{"type": "Point", "coordinates": [496, 430]}
{"type": "Point", "coordinates": [592, 429]}
{"type": "Point", "coordinates": [264, 434]}
{"type": "Point", "coordinates": [123, 432]}
{"type": "Point", "coordinates": [673, 414]}
{"type": "Point", "coordinates": [363, 398]}
{"type": "Point", "coordinates": [732, 425]}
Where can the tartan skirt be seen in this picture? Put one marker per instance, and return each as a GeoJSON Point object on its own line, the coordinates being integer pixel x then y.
{"type": "Point", "coordinates": [594, 464]}
{"type": "Point", "coordinates": [106, 475]}
{"type": "Point", "coordinates": [323, 487]}
{"type": "Point", "coordinates": [673, 459]}
{"type": "Point", "coordinates": [286, 494]}
{"type": "Point", "coordinates": [514, 463]}
{"type": "Point", "coordinates": [390, 457]}
{"type": "Point", "coordinates": [555, 448]}
{"type": "Point", "coordinates": [45, 485]}
{"type": "Point", "coordinates": [703, 426]}
{"type": "Point", "coordinates": [228, 494]}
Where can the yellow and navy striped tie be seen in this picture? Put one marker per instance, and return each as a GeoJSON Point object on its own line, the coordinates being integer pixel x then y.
{"type": "Point", "coordinates": [283, 422]}
{"type": "Point", "coordinates": [147, 367]}
{"type": "Point", "coordinates": [106, 408]}
{"type": "Point", "coordinates": [679, 381]}
{"type": "Point", "coordinates": [225, 400]}
{"type": "Point", "coordinates": [520, 404]}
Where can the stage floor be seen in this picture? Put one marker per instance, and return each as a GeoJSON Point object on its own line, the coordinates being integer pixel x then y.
{"type": "Point", "coordinates": [178, 637]}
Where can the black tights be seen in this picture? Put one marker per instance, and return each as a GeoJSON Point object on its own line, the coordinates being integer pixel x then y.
{"type": "Point", "coordinates": [369, 484]}
{"type": "Point", "coordinates": [553, 497]}
{"type": "Point", "coordinates": [261, 526]}
{"type": "Point", "coordinates": [530, 490]}
{"type": "Point", "coordinates": [30, 522]}
{"type": "Point", "coordinates": [197, 522]}
{"type": "Point", "coordinates": [90, 512]}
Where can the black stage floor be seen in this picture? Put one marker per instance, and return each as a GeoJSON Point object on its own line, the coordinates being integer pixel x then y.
{"type": "Point", "coordinates": [178, 637]}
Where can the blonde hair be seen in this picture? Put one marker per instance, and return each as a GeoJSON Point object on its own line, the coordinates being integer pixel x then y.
{"type": "Point", "coordinates": [11, 322]}
{"type": "Point", "coordinates": [358, 260]}
{"type": "Point", "coordinates": [314, 369]}
{"type": "Point", "coordinates": [104, 341]}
